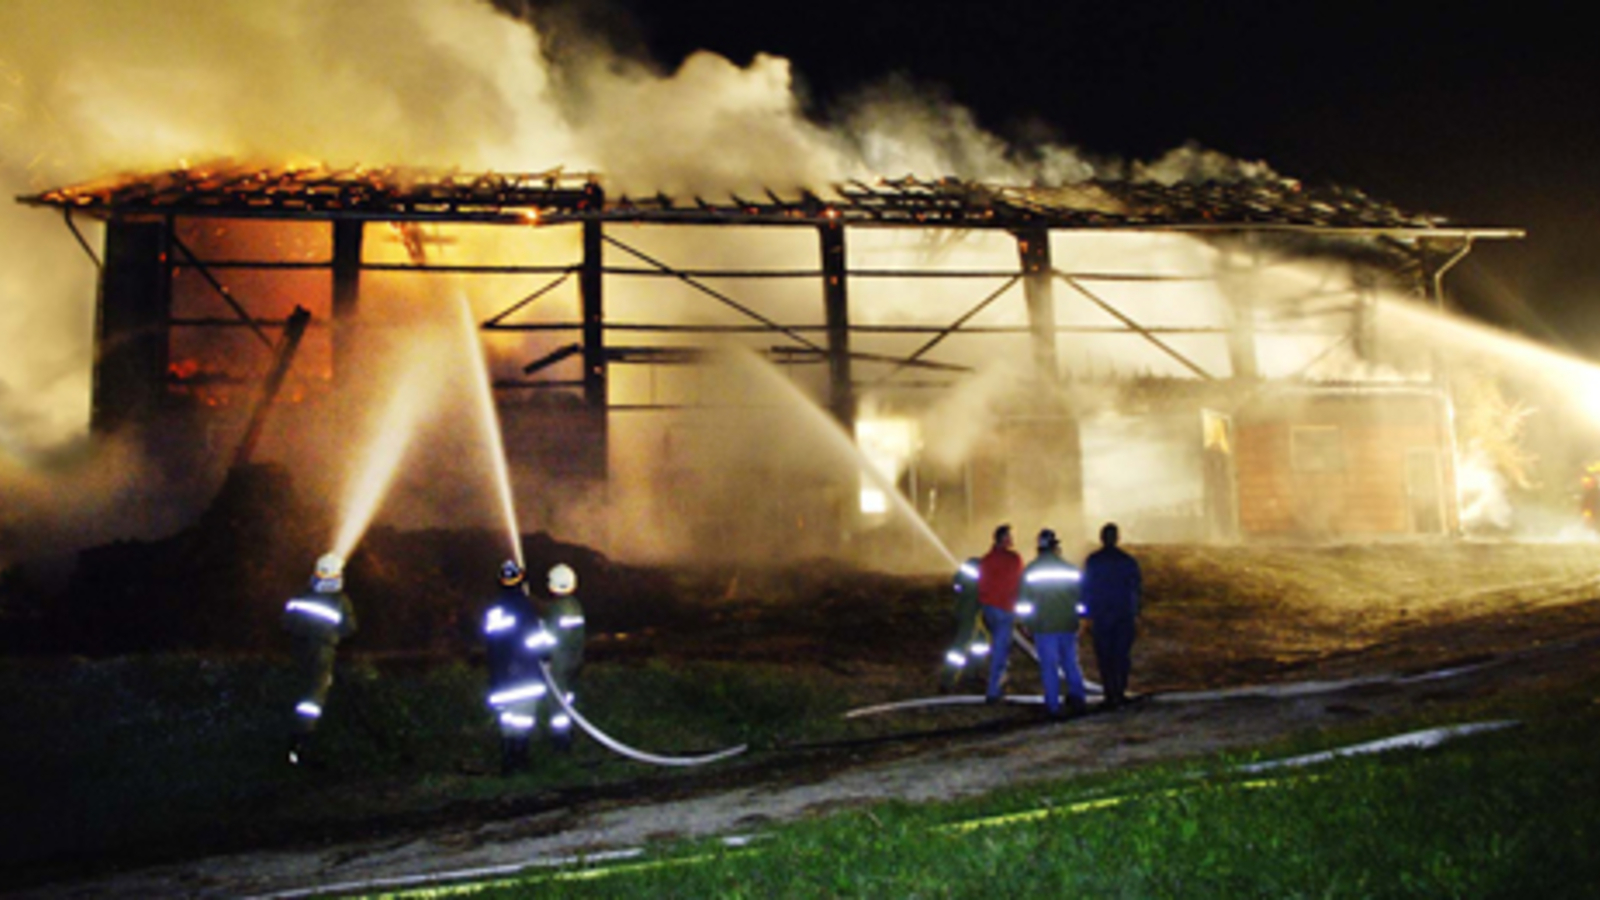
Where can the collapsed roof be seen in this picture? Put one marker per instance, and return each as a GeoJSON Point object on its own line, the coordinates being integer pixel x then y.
{"type": "Point", "coordinates": [411, 194]}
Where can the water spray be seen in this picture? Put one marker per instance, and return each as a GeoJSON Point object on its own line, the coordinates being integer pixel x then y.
{"type": "Point", "coordinates": [387, 448]}
{"type": "Point", "coordinates": [1454, 333]}
{"type": "Point", "coordinates": [843, 442]}
{"type": "Point", "coordinates": [489, 422]}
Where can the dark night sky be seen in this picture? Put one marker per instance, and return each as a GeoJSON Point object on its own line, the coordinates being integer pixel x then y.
{"type": "Point", "coordinates": [1484, 113]}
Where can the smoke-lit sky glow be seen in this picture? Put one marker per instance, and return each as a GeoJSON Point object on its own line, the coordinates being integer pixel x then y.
{"type": "Point", "coordinates": [91, 88]}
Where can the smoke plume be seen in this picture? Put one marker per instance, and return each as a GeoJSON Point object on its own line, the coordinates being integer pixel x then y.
{"type": "Point", "coordinates": [91, 89]}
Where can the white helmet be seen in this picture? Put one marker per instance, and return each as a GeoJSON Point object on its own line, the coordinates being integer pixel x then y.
{"type": "Point", "coordinates": [563, 580]}
{"type": "Point", "coordinates": [330, 566]}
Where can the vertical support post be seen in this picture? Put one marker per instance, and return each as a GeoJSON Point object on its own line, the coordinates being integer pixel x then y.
{"type": "Point", "coordinates": [134, 305]}
{"type": "Point", "coordinates": [836, 308]}
{"type": "Point", "coordinates": [1437, 260]}
{"type": "Point", "coordinates": [1045, 479]}
{"type": "Point", "coordinates": [591, 287]}
{"type": "Point", "coordinates": [596, 394]}
{"type": "Point", "coordinates": [347, 250]}
{"type": "Point", "coordinates": [1363, 324]}
{"type": "Point", "coordinates": [1241, 281]}
{"type": "Point", "coordinates": [1038, 285]}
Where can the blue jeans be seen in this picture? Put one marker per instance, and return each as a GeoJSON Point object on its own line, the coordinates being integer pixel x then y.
{"type": "Point", "coordinates": [1058, 652]}
{"type": "Point", "coordinates": [999, 624]}
{"type": "Point", "coordinates": [1113, 647]}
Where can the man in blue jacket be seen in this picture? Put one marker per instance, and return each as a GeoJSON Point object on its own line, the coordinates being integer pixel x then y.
{"type": "Point", "coordinates": [1112, 591]}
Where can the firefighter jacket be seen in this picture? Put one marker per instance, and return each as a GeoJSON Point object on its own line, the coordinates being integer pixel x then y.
{"type": "Point", "coordinates": [1112, 585]}
{"type": "Point", "coordinates": [964, 585]}
{"type": "Point", "coordinates": [1050, 584]}
{"type": "Point", "coordinates": [321, 616]}
{"type": "Point", "coordinates": [565, 620]}
{"type": "Point", "coordinates": [965, 581]}
{"type": "Point", "coordinates": [509, 625]}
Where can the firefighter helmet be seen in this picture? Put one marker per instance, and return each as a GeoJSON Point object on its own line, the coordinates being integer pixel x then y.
{"type": "Point", "coordinates": [510, 573]}
{"type": "Point", "coordinates": [1048, 540]}
{"type": "Point", "coordinates": [563, 580]}
{"type": "Point", "coordinates": [330, 566]}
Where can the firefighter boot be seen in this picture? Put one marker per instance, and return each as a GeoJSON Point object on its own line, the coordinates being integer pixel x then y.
{"type": "Point", "coordinates": [513, 755]}
{"type": "Point", "coordinates": [561, 741]}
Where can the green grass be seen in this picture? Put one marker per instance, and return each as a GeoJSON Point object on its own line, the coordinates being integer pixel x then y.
{"type": "Point", "coordinates": [1509, 814]}
{"type": "Point", "coordinates": [131, 756]}
{"type": "Point", "coordinates": [118, 759]}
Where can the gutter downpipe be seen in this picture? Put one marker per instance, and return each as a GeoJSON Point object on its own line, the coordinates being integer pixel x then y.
{"type": "Point", "coordinates": [1447, 393]}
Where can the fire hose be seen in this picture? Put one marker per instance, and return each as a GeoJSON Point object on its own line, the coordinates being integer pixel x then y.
{"type": "Point", "coordinates": [620, 748]}
{"type": "Point", "coordinates": [1017, 637]}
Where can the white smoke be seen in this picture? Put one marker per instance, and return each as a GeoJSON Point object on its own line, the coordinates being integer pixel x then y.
{"type": "Point", "coordinates": [1194, 163]}
{"type": "Point", "coordinates": [709, 128]}
{"type": "Point", "coordinates": [90, 88]}
{"type": "Point", "coordinates": [1485, 504]}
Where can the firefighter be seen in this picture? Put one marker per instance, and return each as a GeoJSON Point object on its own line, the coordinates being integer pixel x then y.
{"type": "Point", "coordinates": [1049, 602]}
{"type": "Point", "coordinates": [516, 640]}
{"type": "Point", "coordinates": [564, 619]}
{"type": "Point", "coordinates": [970, 640]}
{"type": "Point", "coordinates": [316, 623]}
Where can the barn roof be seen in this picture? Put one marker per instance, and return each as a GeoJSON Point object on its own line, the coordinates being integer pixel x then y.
{"type": "Point", "coordinates": [413, 194]}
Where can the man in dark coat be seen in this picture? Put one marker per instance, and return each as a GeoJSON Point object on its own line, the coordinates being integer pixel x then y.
{"type": "Point", "coordinates": [1112, 592]}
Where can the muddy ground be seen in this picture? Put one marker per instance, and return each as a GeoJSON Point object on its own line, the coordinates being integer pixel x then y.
{"type": "Point", "coordinates": [1497, 620]}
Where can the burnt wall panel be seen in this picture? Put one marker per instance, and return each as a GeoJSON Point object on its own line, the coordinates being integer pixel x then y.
{"type": "Point", "coordinates": [134, 303]}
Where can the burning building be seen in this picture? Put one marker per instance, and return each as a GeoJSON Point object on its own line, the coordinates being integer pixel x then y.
{"type": "Point", "coordinates": [1198, 360]}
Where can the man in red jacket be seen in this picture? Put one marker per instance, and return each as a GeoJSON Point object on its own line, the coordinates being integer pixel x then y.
{"type": "Point", "coordinates": [999, 581]}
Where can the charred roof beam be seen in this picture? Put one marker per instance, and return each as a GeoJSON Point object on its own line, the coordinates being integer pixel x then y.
{"type": "Point", "coordinates": [495, 321]}
{"type": "Point", "coordinates": [713, 293]}
{"type": "Point", "coordinates": [82, 242]}
{"type": "Point", "coordinates": [551, 358]}
{"type": "Point", "coordinates": [223, 292]}
{"type": "Point", "coordinates": [953, 327]}
{"type": "Point", "coordinates": [802, 354]}
{"type": "Point", "coordinates": [1148, 335]}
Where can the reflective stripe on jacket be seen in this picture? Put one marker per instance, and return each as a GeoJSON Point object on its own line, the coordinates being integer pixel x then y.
{"type": "Point", "coordinates": [1050, 583]}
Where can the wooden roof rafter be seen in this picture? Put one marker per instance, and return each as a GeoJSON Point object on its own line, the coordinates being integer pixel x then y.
{"type": "Point", "coordinates": [556, 196]}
